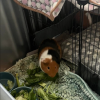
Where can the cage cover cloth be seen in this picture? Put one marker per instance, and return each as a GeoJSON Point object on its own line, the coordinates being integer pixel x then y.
{"type": "Point", "coordinates": [50, 8]}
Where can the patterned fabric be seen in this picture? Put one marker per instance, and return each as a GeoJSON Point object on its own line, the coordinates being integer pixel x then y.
{"type": "Point", "coordinates": [87, 7]}
{"type": "Point", "coordinates": [69, 86]}
{"type": "Point", "coordinates": [48, 7]}
{"type": "Point", "coordinates": [90, 56]}
{"type": "Point", "coordinates": [58, 9]}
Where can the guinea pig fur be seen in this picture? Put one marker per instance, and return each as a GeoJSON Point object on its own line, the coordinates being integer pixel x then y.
{"type": "Point", "coordinates": [87, 19]}
{"type": "Point", "coordinates": [49, 55]}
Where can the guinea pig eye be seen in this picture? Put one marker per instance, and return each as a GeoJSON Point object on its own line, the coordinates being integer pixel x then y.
{"type": "Point", "coordinates": [48, 67]}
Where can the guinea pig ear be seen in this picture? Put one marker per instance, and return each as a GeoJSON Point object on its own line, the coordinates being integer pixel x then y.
{"type": "Point", "coordinates": [46, 61]}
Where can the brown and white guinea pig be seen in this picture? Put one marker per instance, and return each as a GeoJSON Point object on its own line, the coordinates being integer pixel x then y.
{"type": "Point", "coordinates": [87, 19]}
{"type": "Point", "coordinates": [49, 54]}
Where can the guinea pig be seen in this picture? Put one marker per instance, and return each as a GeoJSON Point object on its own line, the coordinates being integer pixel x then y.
{"type": "Point", "coordinates": [49, 54]}
{"type": "Point", "coordinates": [87, 19]}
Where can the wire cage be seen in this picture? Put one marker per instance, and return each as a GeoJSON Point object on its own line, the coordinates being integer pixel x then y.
{"type": "Point", "coordinates": [86, 46]}
{"type": "Point", "coordinates": [82, 49]}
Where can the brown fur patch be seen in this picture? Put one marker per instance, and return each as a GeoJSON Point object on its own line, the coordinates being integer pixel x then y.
{"type": "Point", "coordinates": [85, 19]}
{"type": "Point", "coordinates": [47, 48]}
{"type": "Point", "coordinates": [50, 67]}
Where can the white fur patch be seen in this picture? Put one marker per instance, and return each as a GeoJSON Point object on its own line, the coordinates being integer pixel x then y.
{"type": "Point", "coordinates": [44, 55]}
{"type": "Point", "coordinates": [89, 17]}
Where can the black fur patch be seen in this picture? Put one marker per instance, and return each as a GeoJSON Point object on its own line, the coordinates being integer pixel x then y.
{"type": "Point", "coordinates": [48, 43]}
{"type": "Point", "coordinates": [55, 55]}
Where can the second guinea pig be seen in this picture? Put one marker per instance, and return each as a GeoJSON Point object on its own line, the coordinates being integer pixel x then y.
{"type": "Point", "coordinates": [87, 19]}
{"type": "Point", "coordinates": [49, 54]}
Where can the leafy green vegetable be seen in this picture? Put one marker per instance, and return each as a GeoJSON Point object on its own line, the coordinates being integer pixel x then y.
{"type": "Point", "coordinates": [21, 92]}
{"type": "Point", "coordinates": [20, 98]}
{"type": "Point", "coordinates": [13, 93]}
{"type": "Point", "coordinates": [38, 77]}
{"type": "Point", "coordinates": [53, 97]}
{"type": "Point", "coordinates": [46, 96]}
{"type": "Point", "coordinates": [10, 84]}
{"type": "Point", "coordinates": [40, 74]}
{"type": "Point", "coordinates": [18, 83]}
{"type": "Point", "coordinates": [24, 95]}
{"type": "Point", "coordinates": [17, 80]}
{"type": "Point", "coordinates": [42, 84]}
{"type": "Point", "coordinates": [33, 71]}
{"type": "Point", "coordinates": [40, 98]}
{"type": "Point", "coordinates": [7, 87]}
{"type": "Point", "coordinates": [31, 81]}
{"type": "Point", "coordinates": [42, 94]}
{"type": "Point", "coordinates": [32, 95]}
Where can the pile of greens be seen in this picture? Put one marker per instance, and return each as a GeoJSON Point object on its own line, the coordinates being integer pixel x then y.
{"type": "Point", "coordinates": [24, 95]}
{"type": "Point", "coordinates": [35, 76]}
{"type": "Point", "coordinates": [34, 94]}
{"type": "Point", "coordinates": [9, 85]}
{"type": "Point", "coordinates": [44, 95]}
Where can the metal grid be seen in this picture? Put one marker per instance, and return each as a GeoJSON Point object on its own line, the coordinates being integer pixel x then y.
{"type": "Point", "coordinates": [91, 37]}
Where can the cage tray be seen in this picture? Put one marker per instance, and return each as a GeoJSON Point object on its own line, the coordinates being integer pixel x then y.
{"type": "Point", "coordinates": [69, 85]}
